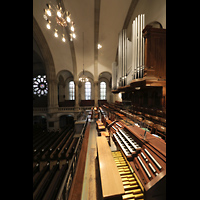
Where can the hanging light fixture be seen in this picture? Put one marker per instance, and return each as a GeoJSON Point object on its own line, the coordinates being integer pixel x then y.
{"type": "Point", "coordinates": [62, 18]}
{"type": "Point", "coordinates": [83, 78]}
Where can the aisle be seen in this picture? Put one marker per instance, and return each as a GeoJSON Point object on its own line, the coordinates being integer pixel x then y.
{"type": "Point", "coordinates": [91, 184]}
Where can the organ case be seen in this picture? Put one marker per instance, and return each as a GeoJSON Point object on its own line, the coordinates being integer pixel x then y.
{"type": "Point", "coordinates": [155, 52]}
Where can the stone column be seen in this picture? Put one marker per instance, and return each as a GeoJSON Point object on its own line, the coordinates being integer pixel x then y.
{"type": "Point", "coordinates": [52, 96]}
{"type": "Point", "coordinates": [96, 93]}
{"type": "Point", "coordinates": [52, 119]}
{"type": "Point", "coordinates": [76, 82]}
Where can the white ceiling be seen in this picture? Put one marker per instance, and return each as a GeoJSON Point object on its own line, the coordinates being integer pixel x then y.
{"type": "Point", "coordinates": [111, 20]}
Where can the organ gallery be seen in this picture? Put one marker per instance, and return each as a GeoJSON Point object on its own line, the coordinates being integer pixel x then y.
{"type": "Point", "coordinates": [99, 100]}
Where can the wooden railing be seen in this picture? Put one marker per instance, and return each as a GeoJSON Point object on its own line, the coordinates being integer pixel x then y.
{"type": "Point", "coordinates": [64, 190]}
{"type": "Point", "coordinates": [62, 109]}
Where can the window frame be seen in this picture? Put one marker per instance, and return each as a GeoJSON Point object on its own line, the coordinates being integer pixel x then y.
{"type": "Point", "coordinates": [71, 90]}
{"type": "Point", "coordinates": [103, 88]}
{"type": "Point", "coordinates": [88, 90]}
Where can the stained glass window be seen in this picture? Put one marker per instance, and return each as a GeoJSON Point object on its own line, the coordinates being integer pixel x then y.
{"type": "Point", "coordinates": [103, 90]}
{"type": "Point", "coordinates": [87, 90]}
{"type": "Point", "coordinates": [40, 86]}
{"type": "Point", "coordinates": [71, 90]}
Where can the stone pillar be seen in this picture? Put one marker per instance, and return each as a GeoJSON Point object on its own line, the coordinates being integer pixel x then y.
{"type": "Point", "coordinates": [76, 82]}
{"type": "Point", "coordinates": [52, 119]}
{"type": "Point", "coordinates": [96, 93]}
{"type": "Point", "coordinates": [52, 96]}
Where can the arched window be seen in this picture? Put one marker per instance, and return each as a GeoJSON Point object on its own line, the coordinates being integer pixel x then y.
{"type": "Point", "coordinates": [87, 90]}
{"type": "Point", "coordinates": [71, 90]}
{"type": "Point", "coordinates": [103, 90]}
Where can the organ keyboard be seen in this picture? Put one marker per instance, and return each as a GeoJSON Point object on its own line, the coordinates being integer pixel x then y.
{"type": "Point", "coordinates": [147, 158]}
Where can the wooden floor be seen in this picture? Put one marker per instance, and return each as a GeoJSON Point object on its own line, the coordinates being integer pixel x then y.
{"type": "Point", "coordinates": [91, 186]}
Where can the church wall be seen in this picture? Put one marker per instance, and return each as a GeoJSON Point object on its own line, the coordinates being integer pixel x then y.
{"type": "Point", "coordinates": [154, 10]}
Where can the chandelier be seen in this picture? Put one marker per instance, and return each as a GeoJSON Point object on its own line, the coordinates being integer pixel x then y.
{"type": "Point", "coordinates": [83, 78]}
{"type": "Point", "coordinates": [61, 18]}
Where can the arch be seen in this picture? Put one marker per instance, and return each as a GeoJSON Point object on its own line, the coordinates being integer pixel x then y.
{"type": "Point", "coordinates": [65, 120]}
{"type": "Point", "coordinates": [45, 50]}
{"type": "Point", "coordinates": [48, 63]}
{"type": "Point", "coordinates": [65, 73]}
{"type": "Point", "coordinates": [106, 75]}
{"type": "Point", "coordinates": [155, 24]}
{"type": "Point", "coordinates": [68, 114]}
{"type": "Point", "coordinates": [63, 79]}
{"type": "Point", "coordinates": [87, 73]}
{"type": "Point", "coordinates": [40, 121]}
{"type": "Point", "coordinates": [38, 64]}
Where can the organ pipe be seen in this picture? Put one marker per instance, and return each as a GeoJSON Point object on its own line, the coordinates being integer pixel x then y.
{"type": "Point", "coordinates": [138, 46]}
{"type": "Point", "coordinates": [137, 52]}
{"type": "Point", "coordinates": [122, 57]}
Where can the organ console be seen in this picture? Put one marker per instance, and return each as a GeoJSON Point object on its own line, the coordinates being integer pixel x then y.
{"type": "Point", "coordinates": [146, 157]}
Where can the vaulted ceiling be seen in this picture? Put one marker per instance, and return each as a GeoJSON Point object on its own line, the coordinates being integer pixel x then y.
{"type": "Point", "coordinates": [100, 20]}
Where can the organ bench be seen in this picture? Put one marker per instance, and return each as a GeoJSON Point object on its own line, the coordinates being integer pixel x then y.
{"type": "Point", "coordinates": [111, 182]}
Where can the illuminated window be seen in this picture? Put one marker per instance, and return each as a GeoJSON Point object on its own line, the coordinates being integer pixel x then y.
{"type": "Point", "coordinates": [87, 90]}
{"type": "Point", "coordinates": [40, 86]}
{"type": "Point", "coordinates": [71, 90]}
{"type": "Point", "coordinates": [103, 90]}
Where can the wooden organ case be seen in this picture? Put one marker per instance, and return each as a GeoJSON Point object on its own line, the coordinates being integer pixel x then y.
{"type": "Point", "coordinates": [146, 157]}
{"type": "Point", "coordinates": [155, 52]}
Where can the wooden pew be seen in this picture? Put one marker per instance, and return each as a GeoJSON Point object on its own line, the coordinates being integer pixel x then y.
{"type": "Point", "coordinates": [111, 183]}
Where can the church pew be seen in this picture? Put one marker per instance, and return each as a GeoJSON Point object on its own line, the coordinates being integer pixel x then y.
{"type": "Point", "coordinates": [55, 183]}
{"type": "Point", "coordinates": [160, 130]}
{"type": "Point", "coordinates": [44, 146]}
{"type": "Point", "coordinates": [40, 176]}
{"type": "Point", "coordinates": [66, 145]}
{"type": "Point", "coordinates": [61, 143]}
{"type": "Point", "coordinates": [55, 143]}
{"type": "Point", "coordinates": [35, 169]}
{"type": "Point", "coordinates": [45, 184]}
{"type": "Point", "coordinates": [70, 150]}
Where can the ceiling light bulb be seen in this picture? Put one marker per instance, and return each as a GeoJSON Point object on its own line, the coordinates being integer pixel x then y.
{"type": "Point", "coordinates": [56, 34]}
{"type": "Point", "coordinates": [48, 12]}
{"type": "Point", "coordinates": [71, 37]}
{"type": "Point", "coordinates": [48, 26]}
{"type": "Point", "coordinates": [74, 35]}
{"type": "Point", "coordinates": [45, 17]}
{"type": "Point", "coordinates": [99, 46]}
{"type": "Point", "coordinates": [59, 13]}
{"type": "Point", "coordinates": [63, 38]}
{"type": "Point", "coordinates": [68, 19]}
{"type": "Point", "coordinates": [72, 27]}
